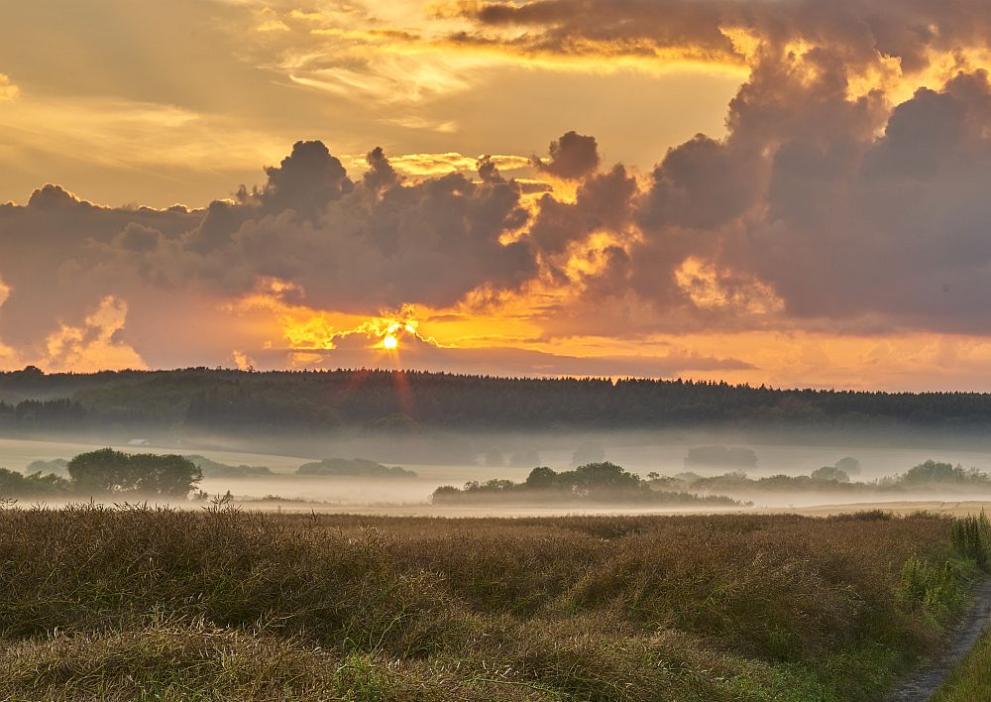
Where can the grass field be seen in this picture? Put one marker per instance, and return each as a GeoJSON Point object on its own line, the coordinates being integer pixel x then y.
{"type": "Point", "coordinates": [136, 604]}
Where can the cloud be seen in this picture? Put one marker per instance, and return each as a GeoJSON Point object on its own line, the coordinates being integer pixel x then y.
{"type": "Point", "coordinates": [93, 345]}
{"type": "Point", "coordinates": [823, 209]}
{"type": "Point", "coordinates": [573, 156]}
{"type": "Point", "coordinates": [359, 349]}
{"type": "Point", "coordinates": [859, 30]}
{"type": "Point", "coordinates": [377, 242]}
{"type": "Point", "coordinates": [8, 91]}
{"type": "Point", "coordinates": [90, 346]}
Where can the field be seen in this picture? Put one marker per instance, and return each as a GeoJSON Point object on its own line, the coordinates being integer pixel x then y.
{"type": "Point", "coordinates": [139, 604]}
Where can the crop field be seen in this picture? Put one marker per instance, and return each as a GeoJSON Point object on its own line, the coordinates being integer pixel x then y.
{"type": "Point", "coordinates": [142, 604]}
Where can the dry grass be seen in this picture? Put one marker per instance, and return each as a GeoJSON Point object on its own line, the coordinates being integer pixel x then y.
{"type": "Point", "coordinates": [163, 605]}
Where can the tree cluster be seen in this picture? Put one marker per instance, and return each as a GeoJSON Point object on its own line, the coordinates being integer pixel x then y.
{"type": "Point", "coordinates": [108, 473]}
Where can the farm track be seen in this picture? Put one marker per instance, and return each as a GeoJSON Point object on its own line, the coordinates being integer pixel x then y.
{"type": "Point", "coordinates": [924, 682]}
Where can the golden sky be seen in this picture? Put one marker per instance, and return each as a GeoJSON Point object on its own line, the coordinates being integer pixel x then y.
{"type": "Point", "coordinates": [761, 191]}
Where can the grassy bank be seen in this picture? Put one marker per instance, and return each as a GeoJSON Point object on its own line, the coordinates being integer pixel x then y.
{"type": "Point", "coordinates": [158, 605]}
{"type": "Point", "coordinates": [972, 680]}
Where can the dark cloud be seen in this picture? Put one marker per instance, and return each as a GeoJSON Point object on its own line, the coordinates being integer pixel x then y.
{"type": "Point", "coordinates": [572, 156]}
{"type": "Point", "coordinates": [305, 182]}
{"type": "Point", "coordinates": [603, 201]}
{"type": "Point", "coordinates": [858, 30]}
{"type": "Point", "coordinates": [335, 243]}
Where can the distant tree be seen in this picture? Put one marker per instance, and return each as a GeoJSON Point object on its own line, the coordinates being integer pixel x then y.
{"type": "Point", "coordinates": [849, 465]}
{"type": "Point", "coordinates": [32, 485]}
{"type": "Point", "coordinates": [353, 468]}
{"type": "Point", "coordinates": [541, 477]}
{"type": "Point", "coordinates": [602, 475]}
{"type": "Point", "coordinates": [653, 475]}
{"type": "Point", "coordinates": [830, 474]}
{"type": "Point", "coordinates": [934, 472]}
{"type": "Point", "coordinates": [56, 466]}
{"type": "Point", "coordinates": [100, 472]}
{"type": "Point", "coordinates": [113, 472]}
{"type": "Point", "coordinates": [446, 493]}
{"type": "Point", "coordinates": [165, 476]}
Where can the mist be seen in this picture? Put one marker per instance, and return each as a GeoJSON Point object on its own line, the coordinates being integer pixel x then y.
{"type": "Point", "coordinates": [456, 458]}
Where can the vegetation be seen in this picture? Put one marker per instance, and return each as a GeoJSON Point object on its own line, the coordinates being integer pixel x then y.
{"type": "Point", "coordinates": [595, 482]}
{"type": "Point", "coordinates": [934, 473]}
{"type": "Point", "coordinates": [307, 401]}
{"type": "Point", "coordinates": [139, 604]}
{"type": "Point", "coordinates": [830, 474]}
{"type": "Point", "coordinates": [970, 682]}
{"type": "Point", "coordinates": [354, 467]}
{"type": "Point", "coordinates": [927, 476]}
{"type": "Point", "coordinates": [107, 473]}
{"type": "Point", "coordinates": [57, 466]}
{"type": "Point", "coordinates": [213, 469]}
{"type": "Point", "coordinates": [34, 485]}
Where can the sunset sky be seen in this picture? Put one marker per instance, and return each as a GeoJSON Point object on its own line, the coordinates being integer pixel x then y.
{"type": "Point", "coordinates": [790, 192]}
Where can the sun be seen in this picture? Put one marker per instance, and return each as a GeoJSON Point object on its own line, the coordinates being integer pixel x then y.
{"type": "Point", "coordinates": [390, 342]}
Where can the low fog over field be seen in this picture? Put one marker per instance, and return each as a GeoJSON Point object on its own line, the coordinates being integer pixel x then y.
{"type": "Point", "coordinates": [661, 459]}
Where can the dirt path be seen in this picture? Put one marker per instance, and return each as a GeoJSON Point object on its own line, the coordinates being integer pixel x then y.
{"type": "Point", "coordinates": [921, 685]}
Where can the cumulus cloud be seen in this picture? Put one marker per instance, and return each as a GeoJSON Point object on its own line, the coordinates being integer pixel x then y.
{"type": "Point", "coordinates": [380, 242]}
{"type": "Point", "coordinates": [93, 345]}
{"type": "Point", "coordinates": [572, 156]}
{"type": "Point", "coordinates": [824, 207]}
{"type": "Point", "coordinates": [90, 346]}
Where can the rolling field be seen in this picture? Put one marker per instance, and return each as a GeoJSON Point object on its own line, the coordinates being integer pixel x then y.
{"type": "Point", "coordinates": [139, 604]}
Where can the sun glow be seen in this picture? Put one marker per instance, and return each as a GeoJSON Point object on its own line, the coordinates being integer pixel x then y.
{"type": "Point", "coordinates": [390, 342]}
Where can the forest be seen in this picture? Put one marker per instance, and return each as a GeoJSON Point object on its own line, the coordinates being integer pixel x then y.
{"type": "Point", "coordinates": [406, 401]}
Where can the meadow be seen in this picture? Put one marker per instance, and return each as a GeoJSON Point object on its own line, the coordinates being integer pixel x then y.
{"type": "Point", "coordinates": [133, 603]}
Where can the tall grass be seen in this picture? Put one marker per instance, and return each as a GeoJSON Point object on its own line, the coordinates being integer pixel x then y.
{"type": "Point", "coordinates": [122, 604]}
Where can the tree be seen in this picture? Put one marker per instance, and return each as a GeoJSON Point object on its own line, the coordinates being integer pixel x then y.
{"type": "Point", "coordinates": [164, 476]}
{"type": "Point", "coordinates": [101, 472]}
{"type": "Point", "coordinates": [541, 477]}
{"type": "Point", "coordinates": [933, 472]}
{"type": "Point", "coordinates": [849, 465]}
{"type": "Point", "coordinates": [830, 474]}
{"type": "Point", "coordinates": [32, 485]}
{"type": "Point", "coordinates": [602, 475]}
{"type": "Point", "coordinates": [113, 472]}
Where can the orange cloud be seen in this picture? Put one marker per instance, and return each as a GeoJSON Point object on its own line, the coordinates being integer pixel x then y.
{"type": "Point", "coordinates": [93, 345]}
{"type": "Point", "coordinates": [8, 91]}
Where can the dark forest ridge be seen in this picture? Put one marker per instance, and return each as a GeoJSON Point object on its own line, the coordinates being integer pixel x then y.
{"type": "Point", "coordinates": [219, 399]}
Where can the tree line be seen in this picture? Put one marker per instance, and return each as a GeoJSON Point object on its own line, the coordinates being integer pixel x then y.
{"type": "Point", "coordinates": [108, 473]}
{"type": "Point", "coordinates": [398, 401]}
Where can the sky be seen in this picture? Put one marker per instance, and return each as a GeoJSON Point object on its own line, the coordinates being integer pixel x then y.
{"type": "Point", "coordinates": [782, 192]}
